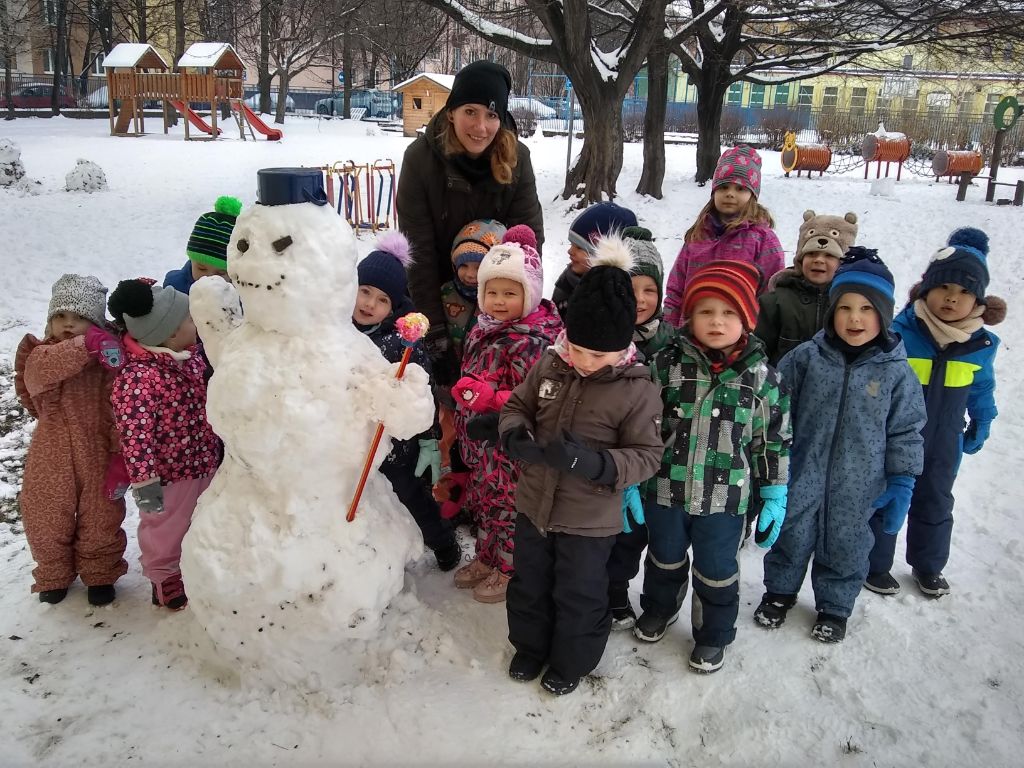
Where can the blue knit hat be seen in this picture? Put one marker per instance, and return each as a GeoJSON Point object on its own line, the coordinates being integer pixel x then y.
{"type": "Point", "coordinates": [597, 220]}
{"type": "Point", "coordinates": [963, 261]}
{"type": "Point", "coordinates": [384, 268]}
{"type": "Point", "coordinates": [862, 271]}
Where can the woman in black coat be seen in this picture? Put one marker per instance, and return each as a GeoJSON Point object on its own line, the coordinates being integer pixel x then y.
{"type": "Point", "coordinates": [468, 165]}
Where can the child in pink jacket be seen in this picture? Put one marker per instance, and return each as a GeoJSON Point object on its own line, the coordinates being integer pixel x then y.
{"type": "Point", "coordinates": [159, 400]}
{"type": "Point", "coordinates": [733, 225]}
{"type": "Point", "coordinates": [72, 520]}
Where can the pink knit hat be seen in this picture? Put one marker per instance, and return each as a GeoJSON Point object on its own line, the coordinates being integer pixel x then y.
{"type": "Point", "coordinates": [515, 258]}
{"type": "Point", "coordinates": [739, 165]}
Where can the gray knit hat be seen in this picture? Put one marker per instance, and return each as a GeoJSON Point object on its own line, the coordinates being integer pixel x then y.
{"type": "Point", "coordinates": [84, 295]}
{"type": "Point", "coordinates": [648, 260]}
{"type": "Point", "coordinates": [150, 313]}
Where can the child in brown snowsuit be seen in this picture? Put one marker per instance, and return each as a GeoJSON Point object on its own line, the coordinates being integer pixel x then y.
{"type": "Point", "coordinates": [72, 524]}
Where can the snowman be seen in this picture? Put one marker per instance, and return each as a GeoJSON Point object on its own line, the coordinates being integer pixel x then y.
{"type": "Point", "coordinates": [276, 576]}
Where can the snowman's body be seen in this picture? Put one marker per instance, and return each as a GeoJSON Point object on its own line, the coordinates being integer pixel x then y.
{"type": "Point", "coordinates": [274, 573]}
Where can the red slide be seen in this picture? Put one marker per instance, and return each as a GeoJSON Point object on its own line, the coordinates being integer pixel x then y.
{"type": "Point", "coordinates": [196, 120]}
{"type": "Point", "coordinates": [272, 134]}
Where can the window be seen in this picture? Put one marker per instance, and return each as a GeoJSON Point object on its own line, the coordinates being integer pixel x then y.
{"type": "Point", "coordinates": [830, 99]}
{"type": "Point", "coordinates": [911, 103]}
{"type": "Point", "coordinates": [782, 95]}
{"type": "Point", "coordinates": [97, 65]}
{"type": "Point", "coordinates": [805, 96]}
{"type": "Point", "coordinates": [417, 103]}
{"type": "Point", "coordinates": [48, 61]}
{"type": "Point", "coordinates": [756, 95]}
{"type": "Point", "coordinates": [735, 95]}
{"type": "Point", "coordinates": [883, 103]}
{"type": "Point", "coordinates": [990, 103]}
{"type": "Point", "coordinates": [938, 102]}
{"type": "Point", "coordinates": [908, 61]}
{"type": "Point", "coordinates": [859, 101]}
{"type": "Point", "coordinates": [50, 11]}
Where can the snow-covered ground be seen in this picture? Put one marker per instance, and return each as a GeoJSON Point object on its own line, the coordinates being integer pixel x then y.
{"type": "Point", "coordinates": [917, 682]}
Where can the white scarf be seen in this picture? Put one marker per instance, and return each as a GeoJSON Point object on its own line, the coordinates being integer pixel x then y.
{"type": "Point", "coordinates": [948, 333]}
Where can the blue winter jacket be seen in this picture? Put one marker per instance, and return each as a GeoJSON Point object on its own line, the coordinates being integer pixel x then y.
{"type": "Point", "coordinates": [957, 379]}
{"type": "Point", "coordinates": [180, 279]}
{"type": "Point", "coordinates": [854, 424]}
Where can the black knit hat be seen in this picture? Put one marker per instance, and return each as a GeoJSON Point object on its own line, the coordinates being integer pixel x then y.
{"type": "Point", "coordinates": [602, 310]}
{"type": "Point", "coordinates": [208, 243]}
{"type": "Point", "coordinates": [482, 82]}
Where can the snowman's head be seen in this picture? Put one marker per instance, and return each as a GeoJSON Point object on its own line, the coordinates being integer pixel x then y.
{"type": "Point", "coordinates": [293, 265]}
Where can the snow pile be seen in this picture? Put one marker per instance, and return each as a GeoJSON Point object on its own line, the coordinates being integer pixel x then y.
{"type": "Point", "coordinates": [86, 176]}
{"type": "Point", "coordinates": [16, 429]}
{"type": "Point", "coordinates": [275, 574]}
{"type": "Point", "coordinates": [11, 168]}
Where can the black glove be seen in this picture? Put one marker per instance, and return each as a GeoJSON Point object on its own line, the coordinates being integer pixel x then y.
{"type": "Point", "coordinates": [519, 444]}
{"type": "Point", "coordinates": [444, 365]}
{"type": "Point", "coordinates": [483, 428]}
{"type": "Point", "coordinates": [568, 454]}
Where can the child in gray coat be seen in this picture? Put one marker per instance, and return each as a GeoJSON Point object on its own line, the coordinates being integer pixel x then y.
{"type": "Point", "coordinates": [857, 414]}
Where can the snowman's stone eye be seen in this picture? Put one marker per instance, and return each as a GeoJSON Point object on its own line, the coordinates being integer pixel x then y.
{"type": "Point", "coordinates": [282, 242]}
{"type": "Point", "coordinates": [243, 245]}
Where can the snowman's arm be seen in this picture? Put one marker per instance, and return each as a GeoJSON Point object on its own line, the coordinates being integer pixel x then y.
{"type": "Point", "coordinates": [405, 405]}
{"type": "Point", "coordinates": [216, 310]}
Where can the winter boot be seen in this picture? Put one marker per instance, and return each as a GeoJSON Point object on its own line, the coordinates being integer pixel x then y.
{"type": "Point", "coordinates": [771, 613]}
{"type": "Point", "coordinates": [932, 585]}
{"type": "Point", "coordinates": [171, 593]}
{"type": "Point", "coordinates": [524, 668]}
{"type": "Point", "coordinates": [471, 574]}
{"type": "Point", "coordinates": [706, 659]}
{"type": "Point", "coordinates": [651, 628]}
{"type": "Point", "coordinates": [553, 682]}
{"type": "Point", "coordinates": [53, 596]}
{"type": "Point", "coordinates": [829, 628]}
{"type": "Point", "coordinates": [101, 594]}
{"type": "Point", "coordinates": [623, 616]}
{"type": "Point", "coordinates": [493, 588]}
{"type": "Point", "coordinates": [882, 584]}
{"type": "Point", "coordinates": [448, 555]}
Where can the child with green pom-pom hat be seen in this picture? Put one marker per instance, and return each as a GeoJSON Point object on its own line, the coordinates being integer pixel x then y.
{"type": "Point", "coordinates": [207, 245]}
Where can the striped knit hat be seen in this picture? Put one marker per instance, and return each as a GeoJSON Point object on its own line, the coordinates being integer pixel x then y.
{"type": "Point", "coordinates": [208, 242]}
{"type": "Point", "coordinates": [734, 282]}
{"type": "Point", "coordinates": [863, 272]}
{"type": "Point", "coordinates": [475, 240]}
{"type": "Point", "coordinates": [739, 165]}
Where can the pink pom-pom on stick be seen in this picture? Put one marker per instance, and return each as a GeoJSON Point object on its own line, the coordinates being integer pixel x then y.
{"type": "Point", "coordinates": [411, 328]}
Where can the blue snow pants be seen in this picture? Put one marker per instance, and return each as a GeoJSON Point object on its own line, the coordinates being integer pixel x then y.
{"type": "Point", "coordinates": [715, 540]}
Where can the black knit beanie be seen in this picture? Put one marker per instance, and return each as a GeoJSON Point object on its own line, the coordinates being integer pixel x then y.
{"type": "Point", "coordinates": [602, 310]}
{"type": "Point", "coordinates": [482, 82]}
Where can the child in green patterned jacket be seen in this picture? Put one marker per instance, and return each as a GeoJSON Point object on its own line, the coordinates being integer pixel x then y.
{"type": "Point", "coordinates": [726, 429]}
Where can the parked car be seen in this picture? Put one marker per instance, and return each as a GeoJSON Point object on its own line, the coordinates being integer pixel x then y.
{"type": "Point", "coordinates": [541, 110]}
{"type": "Point", "coordinates": [378, 104]}
{"type": "Point", "coordinates": [37, 96]}
{"type": "Point", "coordinates": [253, 102]}
{"type": "Point", "coordinates": [98, 100]}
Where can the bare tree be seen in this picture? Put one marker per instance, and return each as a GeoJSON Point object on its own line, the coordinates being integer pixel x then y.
{"type": "Point", "coordinates": [13, 39]}
{"type": "Point", "coordinates": [601, 45]}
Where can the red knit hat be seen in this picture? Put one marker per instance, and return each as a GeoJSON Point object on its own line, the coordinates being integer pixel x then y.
{"type": "Point", "coordinates": [734, 282]}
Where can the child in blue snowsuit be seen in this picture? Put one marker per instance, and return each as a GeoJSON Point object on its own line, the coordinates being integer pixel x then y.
{"type": "Point", "coordinates": [952, 355]}
{"type": "Point", "coordinates": [383, 297]}
{"type": "Point", "coordinates": [857, 414]}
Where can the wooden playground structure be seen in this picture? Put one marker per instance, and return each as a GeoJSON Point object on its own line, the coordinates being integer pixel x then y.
{"type": "Point", "coordinates": [210, 73]}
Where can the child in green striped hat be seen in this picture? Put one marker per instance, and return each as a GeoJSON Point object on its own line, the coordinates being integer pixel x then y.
{"type": "Point", "coordinates": [207, 245]}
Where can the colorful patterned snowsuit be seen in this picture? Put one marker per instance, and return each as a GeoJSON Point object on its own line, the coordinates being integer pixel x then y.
{"type": "Point", "coordinates": [500, 356]}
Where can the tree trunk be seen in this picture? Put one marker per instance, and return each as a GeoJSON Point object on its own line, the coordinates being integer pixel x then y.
{"type": "Point", "coordinates": [7, 39]}
{"type": "Point", "coordinates": [179, 29]}
{"type": "Point", "coordinates": [282, 94]}
{"type": "Point", "coordinates": [712, 84]}
{"type": "Point", "coordinates": [263, 66]}
{"type": "Point", "coordinates": [59, 45]}
{"type": "Point", "coordinates": [140, 12]}
{"type": "Point", "coordinates": [594, 174]}
{"type": "Point", "coordinates": [347, 57]}
{"type": "Point", "coordinates": [653, 174]}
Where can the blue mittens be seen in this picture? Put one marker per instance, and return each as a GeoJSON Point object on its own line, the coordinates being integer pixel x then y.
{"type": "Point", "coordinates": [773, 513]}
{"type": "Point", "coordinates": [895, 502]}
